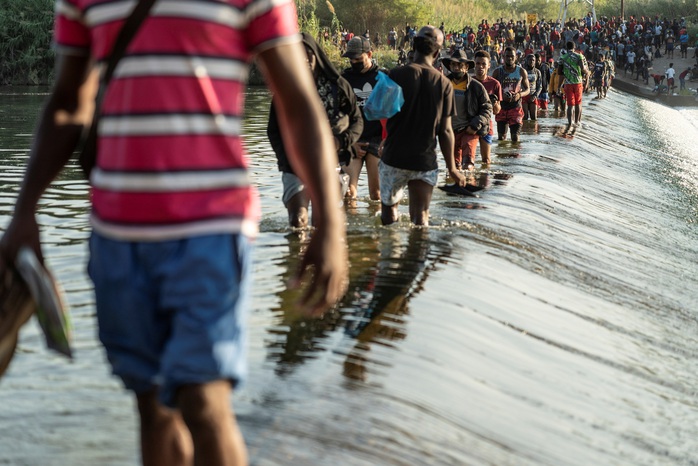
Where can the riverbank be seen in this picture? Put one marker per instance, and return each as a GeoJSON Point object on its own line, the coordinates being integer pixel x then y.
{"type": "Point", "coordinates": [626, 82]}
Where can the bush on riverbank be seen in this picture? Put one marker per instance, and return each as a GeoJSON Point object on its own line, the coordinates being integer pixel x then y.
{"type": "Point", "coordinates": [26, 56]}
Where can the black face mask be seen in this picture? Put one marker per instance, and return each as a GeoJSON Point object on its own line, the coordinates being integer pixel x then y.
{"type": "Point", "coordinates": [357, 67]}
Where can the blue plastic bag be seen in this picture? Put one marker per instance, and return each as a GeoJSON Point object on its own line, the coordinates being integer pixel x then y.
{"type": "Point", "coordinates": [385, 100]}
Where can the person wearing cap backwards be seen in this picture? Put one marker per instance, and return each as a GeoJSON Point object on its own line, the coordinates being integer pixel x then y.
{"type": "Point", "coordinates": [473, 110]}
{"type": "Point", "coordinates": [574, 67]}
{"type": "Point", "coordinates": [514, 81]}
{"type": "Point", "coordinates": [363, 75]}
{"type": "Point", "coordinates": [494, 90]}
{"type": "Point", "coordinates": [409, 151]}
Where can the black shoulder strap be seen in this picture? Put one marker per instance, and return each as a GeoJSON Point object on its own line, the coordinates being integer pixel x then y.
{"type": "Point", "coordinates": [88, 154]}
{"type": "Point", "coordinates": [127, 32]}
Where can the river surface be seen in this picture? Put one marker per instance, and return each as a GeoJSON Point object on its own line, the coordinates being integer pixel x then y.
{"type": "Point", "coordinates": [551, 320]}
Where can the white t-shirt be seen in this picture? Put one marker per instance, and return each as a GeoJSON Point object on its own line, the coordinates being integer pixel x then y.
{"type": "Point", "coordinates": [670, 72]}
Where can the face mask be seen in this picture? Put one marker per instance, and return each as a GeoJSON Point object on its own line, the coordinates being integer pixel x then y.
{"type": "Point", "coordinates": [458, 74]}
{"type": "Point", "coordinates": [357, 67]}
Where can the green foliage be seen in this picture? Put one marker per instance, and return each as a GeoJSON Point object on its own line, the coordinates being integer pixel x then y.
{"type": "Point", "coordinates": [453, 13]}
{"type": "Point", "coordinates": [692, 35]}
{"type": "Point", "coordinates": [386, 58]}
{"type": "Point", "coordinates": [669, 9]}
{"type": "Point", "coordinates": [362, 15]}
{"type": "Point", "coordinates": [25, 41]}
{"type": "Point", "coordinates": [307, 20]}
{"type": "Point", "coordinates": [26, 56]}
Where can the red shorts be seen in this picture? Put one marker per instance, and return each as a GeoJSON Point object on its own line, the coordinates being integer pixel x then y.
{"type": "Point", "coordinates": [513, 116]}
{"type": "Point", "coordinates": [465, 148]}
{"type": "Point", "coordinates": [573, 94]}
{"type": "Point", "coordinates": [527, 100]}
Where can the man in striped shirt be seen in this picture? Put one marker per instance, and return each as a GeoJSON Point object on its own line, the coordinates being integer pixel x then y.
{"type": "Point", "coordinates": [173, 209]}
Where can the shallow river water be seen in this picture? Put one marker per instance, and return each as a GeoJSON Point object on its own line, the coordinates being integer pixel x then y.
{"type": "Point", "coordinates": [551, 320]}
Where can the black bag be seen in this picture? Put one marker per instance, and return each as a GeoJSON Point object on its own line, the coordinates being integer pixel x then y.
{"type": "Point", "coordinates": [88, 155]}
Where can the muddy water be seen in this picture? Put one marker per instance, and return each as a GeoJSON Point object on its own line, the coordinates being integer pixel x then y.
{"type": "Point", "coordinates": [549, 320]}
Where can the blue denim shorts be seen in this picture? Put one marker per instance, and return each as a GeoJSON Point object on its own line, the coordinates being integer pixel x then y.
{"type": "Point", "coordinates": [173, 313]}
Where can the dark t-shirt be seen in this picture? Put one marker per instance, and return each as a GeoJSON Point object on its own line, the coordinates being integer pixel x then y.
{"type": "Point", "coordinates": [363, 84]}
{"type": "Point", "coordinates": [411, 141]}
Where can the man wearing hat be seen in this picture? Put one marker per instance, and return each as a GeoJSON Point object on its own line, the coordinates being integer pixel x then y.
{"type": "Point", "coordinates": [362, 75]}
{"type": "Point", "coordinates": [473, 109]}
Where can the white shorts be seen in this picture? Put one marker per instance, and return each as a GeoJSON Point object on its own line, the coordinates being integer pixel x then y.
{"type": "Point", "coordinates": [393, 181]}
{"type": "Point", "coordinates": [292, 186]}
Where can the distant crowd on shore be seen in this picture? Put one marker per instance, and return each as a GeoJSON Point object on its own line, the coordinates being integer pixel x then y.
{"type": "Point", "coordinates": [497, 76]}
{"type": "Point", "coordinates": [632, 44]}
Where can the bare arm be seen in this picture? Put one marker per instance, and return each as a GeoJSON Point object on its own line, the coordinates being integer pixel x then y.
{"type": "Point", "coordinates": [525, 87]}
{"type": "Point", "coordinates": [311, 150]}
{"type": "Point", "coordinates": [69, 108]}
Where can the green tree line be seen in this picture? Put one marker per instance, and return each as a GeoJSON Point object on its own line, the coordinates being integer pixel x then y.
{"type": "Point", "coordinates": [379, 16]}
{"type": "Point", "coordinates": [26, 55]}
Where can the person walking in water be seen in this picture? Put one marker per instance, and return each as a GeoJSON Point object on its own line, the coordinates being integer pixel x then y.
{"type": "Point", "coordinates": [535, 84]}
{"type": "Point", "coordinates": [473, 110]}
{"type": "Point", "coordinates": [574, 68]}
{"type": "Point", "coordinates": [514, 81]}
{"type": "Point", "coordinates": [494, 91]}
{"type": "Point", "coordinates": [345, 119]}
{"type": "Point", "coordinates": [409, 153]}
{"type": "Point", "coordinates": [363, 76]}
{"type": "Point", "coordinates": [556, 90]}
{"type": "Point", "coordinates": [173, 209]}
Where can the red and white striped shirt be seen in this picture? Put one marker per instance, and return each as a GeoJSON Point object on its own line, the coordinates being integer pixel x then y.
{"type": "Point", "coordinates": [170, 157]}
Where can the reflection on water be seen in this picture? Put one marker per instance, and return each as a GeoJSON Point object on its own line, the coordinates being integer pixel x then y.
{"type": "Point", "coordinates": [378, 305]}
{"type": "Point", "coordinates": [387, 271]}
{"type": "Point", "coordinates": [547, 317]}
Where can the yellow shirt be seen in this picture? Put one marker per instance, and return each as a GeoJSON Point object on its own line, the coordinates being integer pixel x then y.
{"type": "Point", "coordinates": [556, 81]}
